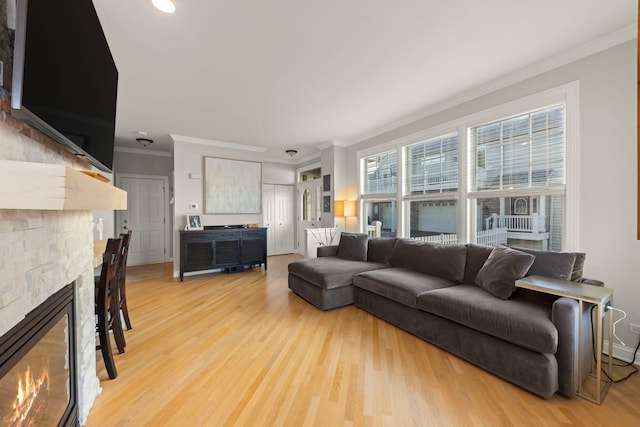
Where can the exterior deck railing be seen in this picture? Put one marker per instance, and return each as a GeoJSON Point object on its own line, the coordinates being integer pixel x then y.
{"type": "Point", "coordinates": [534, 223]}
{"type": "Point", "coordinates": [492, 237]}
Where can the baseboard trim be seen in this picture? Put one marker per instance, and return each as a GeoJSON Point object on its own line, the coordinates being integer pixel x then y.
{"type": "Point", "coordinates": [621, 352]}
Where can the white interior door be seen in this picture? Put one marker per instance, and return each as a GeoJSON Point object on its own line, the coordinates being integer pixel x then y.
{"type": "Point", "coordinates": [309, 207]}
{"type": "Point", "coordinates": [278, 218]}
{"type": "Point", "coordinates": [284, 219]}
{"type": "Point", "coordinates": [145, 217]}
{"type": "Point", "coordinates": [268, 216]}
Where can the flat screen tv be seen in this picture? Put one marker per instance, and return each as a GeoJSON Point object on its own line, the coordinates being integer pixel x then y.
{"type": "Point", "coordinates": [65, 81]}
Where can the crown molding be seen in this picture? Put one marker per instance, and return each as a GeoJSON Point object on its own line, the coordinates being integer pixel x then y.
{"type": "Point", "coordinates": [292, 161]}
{"type": "Point", "coordinates": [610, 40]}
{"type": "Point", "coordinates": [146, 152]}
{"type": "Point", "coordinates": [333, 143]}
{"type": "Point", "coordinates": [214, 143]}
{"type": "Point", "coordinates": [308, 158]}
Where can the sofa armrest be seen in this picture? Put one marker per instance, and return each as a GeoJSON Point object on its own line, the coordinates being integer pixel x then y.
{"type": "Point", "coordinates": [564, 315]}
{"type": "Point", "coordinates": [327, 250]}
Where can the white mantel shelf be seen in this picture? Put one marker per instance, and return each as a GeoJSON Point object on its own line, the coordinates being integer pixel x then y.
{"type": "Point", "coordinates": [43, 186]}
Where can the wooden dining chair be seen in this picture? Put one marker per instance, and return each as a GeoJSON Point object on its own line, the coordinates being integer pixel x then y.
{"type": "Point", "coordinates": [107, 305]}
{"type": "Point", "coordinates": [122, 279]}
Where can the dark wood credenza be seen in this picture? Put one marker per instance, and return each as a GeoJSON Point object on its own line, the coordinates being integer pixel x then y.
{"type": "Point", "coordinates": [232, 249]}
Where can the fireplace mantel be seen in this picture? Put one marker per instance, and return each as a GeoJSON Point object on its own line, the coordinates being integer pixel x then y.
{"type": "Point", "coordinates": [43, 186]}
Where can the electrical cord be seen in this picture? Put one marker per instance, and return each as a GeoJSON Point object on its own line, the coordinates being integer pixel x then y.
{"type": "Point", "coordinates": [629, 364]}
{"type": "Point", "coordinates": [624, 316]}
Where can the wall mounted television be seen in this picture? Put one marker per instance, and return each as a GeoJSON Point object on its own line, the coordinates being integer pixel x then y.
{"type": "Point", "coordinates": [65, 81]}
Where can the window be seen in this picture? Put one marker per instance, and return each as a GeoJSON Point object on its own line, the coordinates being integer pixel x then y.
{"type": "Point", "coordinates": [309, 175]}
{"type": "Point", "coordinates": [432, 170]}
{"type": "Point", "coordinates": [506, 175]}
{"type": "Point", "coordinates": [379, 188]}
{"type": "Point", "coordinates": [381, 173]}
{"type": "Point", "coordinates": [523, 158]}
{"type": "Point", "coordinates": [306, 205]}
{"type": "Point", "coordinates": [520, 152]}
{"type": "Point", "coordinates": [520, 206]}
{"type": "Point", "coordinates": [382, 213]}
{"type": "Point", "coordinates": [432, 166]}
{"type": "Point", "coordinates": [433, 221]}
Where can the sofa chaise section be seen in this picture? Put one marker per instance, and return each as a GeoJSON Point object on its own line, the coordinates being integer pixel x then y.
{"type": "Point", "coordinates": [327, 281]}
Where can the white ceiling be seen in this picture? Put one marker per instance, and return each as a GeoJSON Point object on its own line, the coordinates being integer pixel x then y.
{"type": "Point", "coordinates": [301, 73]}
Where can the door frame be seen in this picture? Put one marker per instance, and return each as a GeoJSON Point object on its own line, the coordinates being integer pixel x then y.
{"type": "Point", "coordinates": [168, 249]}
{"type": "Point", "coordinates": [316, 186]}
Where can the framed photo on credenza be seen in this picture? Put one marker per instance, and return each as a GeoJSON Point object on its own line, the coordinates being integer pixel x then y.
{"type": "Point", "coordinates": [194, 222]}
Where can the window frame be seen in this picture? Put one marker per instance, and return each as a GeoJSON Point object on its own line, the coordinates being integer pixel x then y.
{"type": "Point", "coordinates": [567, 94]}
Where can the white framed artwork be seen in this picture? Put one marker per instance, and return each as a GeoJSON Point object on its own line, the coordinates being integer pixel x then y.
{"type": "Point", "coordinates": [232, 186]}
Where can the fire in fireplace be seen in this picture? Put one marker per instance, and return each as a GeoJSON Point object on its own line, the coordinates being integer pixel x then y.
{"type": "Point", "coordinates": [37, 366]}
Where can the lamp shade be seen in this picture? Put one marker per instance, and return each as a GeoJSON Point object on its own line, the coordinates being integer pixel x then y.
{"type": "Point", "coordinates": [350, 208]}
{"type": "Point", "coordinates": [346, 208]}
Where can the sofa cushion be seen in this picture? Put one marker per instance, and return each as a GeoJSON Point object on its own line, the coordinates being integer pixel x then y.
{"type": "Point", "coordinates": [501, 270]}
{"type": "Point", "coordinates": [399, 284]}
{"type": "Point", "coordinates": [353, 246]}
{"type": "Point", "coordinates": [445, 261]}
{"type": "Point", "coordinates": [380, 249]}
{"type": "Point", "coordinates": [330, 272]}
{"type": "Point", "coordinates": [517, 321]}
{"type": "Point", "coordinates": [558, 265]}
{"type": "Point", "coordinates": [476, 257]}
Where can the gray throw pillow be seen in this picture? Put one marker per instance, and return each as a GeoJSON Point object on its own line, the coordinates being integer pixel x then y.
{"type": "Point", "coordinates": [476, 257]}
{"type": "Point", "coordinates": [558, 265]}
{"type": "Point", "coordinates": [499, 273]}
{"type": "Point", "coordinates": [353, 246]}
{"type": "Point", "coordinates": [380, 248]}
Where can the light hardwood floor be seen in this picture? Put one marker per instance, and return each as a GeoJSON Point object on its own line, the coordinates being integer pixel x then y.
{"type": "Point", "coordinates": [241, 349]}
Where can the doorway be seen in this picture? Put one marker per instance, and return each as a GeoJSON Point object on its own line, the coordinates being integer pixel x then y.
{"type": "Point", "coordinates": [147, 216]}
{"type": "Point", "coordinates": [309, 207]}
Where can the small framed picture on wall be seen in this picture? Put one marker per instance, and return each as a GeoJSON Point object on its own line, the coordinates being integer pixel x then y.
{"type": "Point", "coordinates": [326, 204]}
{"type": "Point", "coordinates": [326, 183]}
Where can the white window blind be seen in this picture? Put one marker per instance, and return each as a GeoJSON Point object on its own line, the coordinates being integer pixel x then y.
{"type": "Point", "coordinates": [381, 173]}
{"type": "Point", "coordinates": [432, 165]}
{"type": "Point", "coordinates": [524, 151]}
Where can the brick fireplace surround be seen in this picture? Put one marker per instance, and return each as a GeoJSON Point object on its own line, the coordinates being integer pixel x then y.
{"type": "Point", "coordinates": [42, 250]}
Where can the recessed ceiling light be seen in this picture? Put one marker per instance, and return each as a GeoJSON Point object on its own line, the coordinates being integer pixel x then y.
{"type": "Point", "coordinates": [165, 6]}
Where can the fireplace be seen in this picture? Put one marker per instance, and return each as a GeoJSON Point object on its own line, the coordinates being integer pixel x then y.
{"type": "Point", "coordinates": [37, 366]}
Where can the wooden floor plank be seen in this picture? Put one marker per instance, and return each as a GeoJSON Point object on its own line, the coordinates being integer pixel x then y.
{"type": "Point", "coordinates": [242, 350]}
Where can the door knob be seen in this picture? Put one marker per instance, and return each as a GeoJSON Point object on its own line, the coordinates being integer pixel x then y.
{"type": "Point", "coordinates": [125, 227]}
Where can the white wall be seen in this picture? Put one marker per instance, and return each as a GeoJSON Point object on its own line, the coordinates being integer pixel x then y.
{"type": "Point", "coordinates": [142, 162]}
{"type": "Point", "coordinates": [608, 174]}
{"type": "Point", "coordinates": [334, 162]}
{"type": "Point", "coordinates": [276, 173]}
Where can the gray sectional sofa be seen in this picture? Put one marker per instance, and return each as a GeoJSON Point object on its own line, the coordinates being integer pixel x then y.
{"type": "Point", "coordinates": [461, 298]}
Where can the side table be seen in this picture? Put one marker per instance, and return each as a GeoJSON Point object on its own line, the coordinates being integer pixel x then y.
{"type": "Point", "coordinates": [599, 296]}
